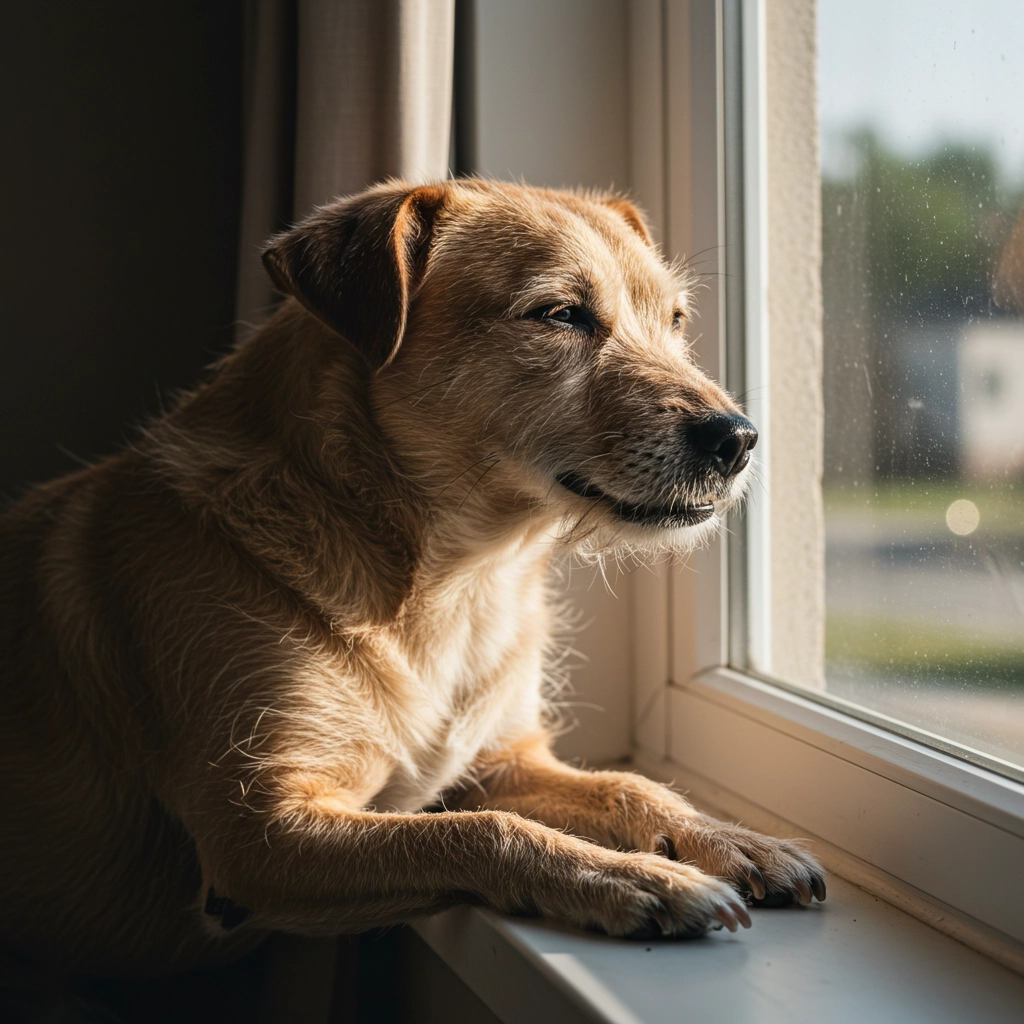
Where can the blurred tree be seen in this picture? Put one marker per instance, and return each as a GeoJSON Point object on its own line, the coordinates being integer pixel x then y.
{"type": "Point", "coordinates": [935, 225]}
{"type": "Point", "coordinates": [910, 250]}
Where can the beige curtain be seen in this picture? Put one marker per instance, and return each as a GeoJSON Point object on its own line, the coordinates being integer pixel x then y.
{"type": "Point", "coordinates": [338, 94]}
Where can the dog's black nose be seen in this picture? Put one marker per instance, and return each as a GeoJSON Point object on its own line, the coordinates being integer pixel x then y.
{"type": "Point", "coordinates": [727, 439]}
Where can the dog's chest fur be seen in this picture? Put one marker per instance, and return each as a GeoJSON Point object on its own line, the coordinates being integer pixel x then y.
{"type": "Point", "coordinates": [470, 665]}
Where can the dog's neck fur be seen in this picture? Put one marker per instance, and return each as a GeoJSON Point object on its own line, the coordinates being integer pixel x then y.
{"type": "Point", "coordinates": [247, 468]}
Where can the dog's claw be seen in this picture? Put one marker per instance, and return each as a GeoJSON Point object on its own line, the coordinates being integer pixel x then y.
{"type": "Point", "coordinates": [726, 916]}
{"type": "Point", "coordinates": [732, 916]}
{"type": "Point", "coordinates": [665, 846]}
{"type": "Point", "coordinates": [818, 888]}
{"type": "Point", "coordinates": [741, 914]}
{"type": "Point", "coordinates": [803, 892]}
{"type": "Point", "coordinates": [660, 914]}
{"type": "Point", "coordinates": [756, 882]}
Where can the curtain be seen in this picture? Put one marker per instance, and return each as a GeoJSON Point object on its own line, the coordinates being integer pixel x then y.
{"type": "Point", "coordinates": [337, 94]}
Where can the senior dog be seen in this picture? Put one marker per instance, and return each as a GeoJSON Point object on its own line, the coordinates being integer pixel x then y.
{"type": "Point", "coordinates": [282, 663]}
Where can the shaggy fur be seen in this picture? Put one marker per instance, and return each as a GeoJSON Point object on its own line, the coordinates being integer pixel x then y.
{"type": "Point", "coordinates": [246, 660]}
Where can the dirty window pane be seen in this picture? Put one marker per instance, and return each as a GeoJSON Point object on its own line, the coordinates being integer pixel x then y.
{"type": "Point", "coordinates": [922, 142]}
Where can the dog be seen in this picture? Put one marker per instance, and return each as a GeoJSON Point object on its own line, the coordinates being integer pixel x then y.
{"type": "Point", "coordinates": [284, 663]}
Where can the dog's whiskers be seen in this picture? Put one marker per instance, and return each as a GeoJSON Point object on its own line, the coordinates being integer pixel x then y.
{"type": "Point", "coordinates": [489, 455]}
{"type": "Point", "coordinates": [420, 391]}
{"type": "Point", "coordinates": [477, 481]}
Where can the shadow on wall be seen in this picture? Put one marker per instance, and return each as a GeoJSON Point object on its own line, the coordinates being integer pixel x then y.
{"type": "Point", "coordinates": [120, 201]}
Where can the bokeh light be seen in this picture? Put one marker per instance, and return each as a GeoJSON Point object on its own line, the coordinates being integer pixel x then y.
{"type": "Point", "coordinates": [962, 517]}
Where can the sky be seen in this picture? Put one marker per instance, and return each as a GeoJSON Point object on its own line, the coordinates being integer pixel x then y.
{"type": "Point", "coordinates": [922, 72]}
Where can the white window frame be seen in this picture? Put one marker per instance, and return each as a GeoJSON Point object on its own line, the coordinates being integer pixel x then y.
{"type": "Point", "coordinates": [939, 836]}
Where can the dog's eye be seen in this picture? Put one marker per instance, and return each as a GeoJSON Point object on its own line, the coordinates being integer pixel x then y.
{"type": "Point", "coordinates": [572, 316]}
{"type": "Point", "coordinates": [678, 319]}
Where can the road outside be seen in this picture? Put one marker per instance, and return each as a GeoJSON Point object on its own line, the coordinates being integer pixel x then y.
{"type": "Point", "coordinates": [925, 622]}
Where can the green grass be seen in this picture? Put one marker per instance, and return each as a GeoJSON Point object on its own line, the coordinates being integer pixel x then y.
{"type": "Point", "coordinates": [914, 651]}
{"type": "Point", "coordinates": [1001, 504]}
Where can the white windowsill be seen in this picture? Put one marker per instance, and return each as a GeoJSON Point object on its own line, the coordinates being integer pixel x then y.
{"type": "Point", "coordinates": [849, 960]}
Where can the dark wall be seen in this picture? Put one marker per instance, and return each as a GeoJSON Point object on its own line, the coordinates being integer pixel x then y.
{"type": "Point", "coordinates": [119, 202]}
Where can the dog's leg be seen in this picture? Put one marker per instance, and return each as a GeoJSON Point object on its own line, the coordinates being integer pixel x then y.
{"type": "Point", "coordinates": [623, 810]}
{"type": "Point", "coordinates": [329, 871]}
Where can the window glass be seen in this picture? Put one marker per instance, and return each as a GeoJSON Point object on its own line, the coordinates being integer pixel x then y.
{"type": "Point", "coordinates": [921, 107]}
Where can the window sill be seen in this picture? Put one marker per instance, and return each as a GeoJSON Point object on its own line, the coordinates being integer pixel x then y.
{"type": "Point", "coordinates": [851, 959]}
{"type": "Point", "coordinates": [937, 837]}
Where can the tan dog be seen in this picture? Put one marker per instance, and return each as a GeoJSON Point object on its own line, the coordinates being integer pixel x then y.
{"type": "Point", "coordinates": [243, 657]}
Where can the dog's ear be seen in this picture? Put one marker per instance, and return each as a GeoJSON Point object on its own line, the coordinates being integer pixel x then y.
{"type": "Point", "coordinates": [356, 263]}
{"type": "Point", "coordinates": [631, 215]}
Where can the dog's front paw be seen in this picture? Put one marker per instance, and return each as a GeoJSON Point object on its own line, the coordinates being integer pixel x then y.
{"type": "Point", "coordinates": [641, 895]}
{"type": "Point", "coordinates": [636, 813]}
{"type": "Point", "coordinates": [773, 872]}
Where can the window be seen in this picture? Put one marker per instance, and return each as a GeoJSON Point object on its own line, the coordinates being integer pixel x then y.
{"type": "Point", "coordinates": [922, 185]}
{"type": "Point", "coordinates": [848, 661]}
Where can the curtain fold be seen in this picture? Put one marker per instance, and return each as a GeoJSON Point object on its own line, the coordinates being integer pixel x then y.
{"type": "Point", "coordinates": [268, 148]}
{"type": "Point", "coordinates": [338, 94]}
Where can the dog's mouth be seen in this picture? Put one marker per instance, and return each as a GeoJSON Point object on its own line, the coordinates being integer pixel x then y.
{"type": "Point", "coordinates": [664, 516]}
